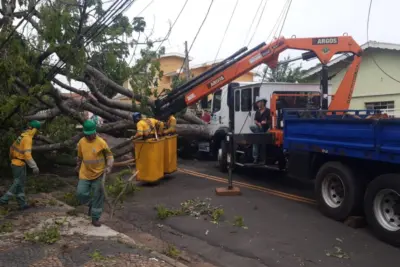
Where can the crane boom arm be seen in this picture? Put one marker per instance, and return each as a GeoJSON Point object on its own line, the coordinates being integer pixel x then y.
{"type": "Point", "coordinates": [324, 48]}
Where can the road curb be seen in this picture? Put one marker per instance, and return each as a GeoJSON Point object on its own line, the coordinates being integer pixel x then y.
{"type": "Point", "coordinates": [127, 240]}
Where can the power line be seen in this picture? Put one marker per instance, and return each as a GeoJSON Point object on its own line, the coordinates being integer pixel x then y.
{"type": "Point", "coordinates": [289, 2]}
{"type": "Point", "coordinates": [172, 26]}
{"type": "Point", "coordinates": [278, 21]}
{"type": "Point", "coordinates": [258, 22]}
{"type": "Point", "coordinates": [373, 58]}
{"type": "Point", "coordinates": [270, 33]}
{"type": "Point", "coordinates": [198, 31]}
{"type": "Point", "coordinates": [100, 28]}
{"type": "Point", "coordinates": [122, 8]}
{"type": "Point", "coordinates": [226, 30]}
{"type": "Point", "coordinates": [144, 9]}
{"type": "Point", "coordinates": [275, 29]}
{"type": "Point", "coordinates": [284, 20]}
{"type": "Point", "coordinates": [252, 22]}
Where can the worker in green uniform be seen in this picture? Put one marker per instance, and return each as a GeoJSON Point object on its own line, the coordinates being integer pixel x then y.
{"type": "Point", "coordinates": [94, 159]}
{"type": "Point", "coordinates": [20, 155]}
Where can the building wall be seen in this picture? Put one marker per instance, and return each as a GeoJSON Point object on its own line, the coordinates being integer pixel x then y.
{"type": "Point", "coordinates": [173, 63]}
{"type": "Point", "coordinates": [170, 64]}
{"type": "Point", "coordinates": [372, 85]}
{"type": "Point", "coordinates": [247, 77]}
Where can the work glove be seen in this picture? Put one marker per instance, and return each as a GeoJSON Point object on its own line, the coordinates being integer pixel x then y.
{"type": "Point", "coordinates": [35, 171]}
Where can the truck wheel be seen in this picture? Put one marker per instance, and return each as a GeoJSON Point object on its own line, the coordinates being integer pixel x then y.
{"type": "Point", "coordinates": [382, 207]}
{"type": "Point", "coordinates": [338, 191]}
{"type": "Point", "coordinates": [222, 157]}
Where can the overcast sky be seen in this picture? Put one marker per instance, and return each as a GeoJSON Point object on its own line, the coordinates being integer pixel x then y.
{"type": "Point", "coordinates": [306, 18]}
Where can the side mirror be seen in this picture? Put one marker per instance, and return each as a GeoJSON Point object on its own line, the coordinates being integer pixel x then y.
{"type": "Point", "coordinates": [204, 103]}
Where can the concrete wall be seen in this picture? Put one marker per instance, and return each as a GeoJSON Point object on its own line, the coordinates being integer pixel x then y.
{"type": "Point", "coordinates": [372, 85]}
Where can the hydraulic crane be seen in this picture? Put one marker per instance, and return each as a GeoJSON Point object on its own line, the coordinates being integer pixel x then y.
{"type": "Point", "coordinates": [244, 60]}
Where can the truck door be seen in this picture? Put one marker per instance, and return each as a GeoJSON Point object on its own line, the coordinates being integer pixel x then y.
{"type": "Point", "coordinates": [244, 109]}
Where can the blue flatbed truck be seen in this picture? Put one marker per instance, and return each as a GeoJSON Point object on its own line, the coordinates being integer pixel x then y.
{"type": "Point", "coordinates": [355, 161]}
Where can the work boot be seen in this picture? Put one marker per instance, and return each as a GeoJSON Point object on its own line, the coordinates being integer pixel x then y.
{"type": "Point", "coordinates": [96, 223]}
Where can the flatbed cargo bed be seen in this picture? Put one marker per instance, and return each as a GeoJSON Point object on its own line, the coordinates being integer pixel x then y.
{"type": "Point", "coordinates": [347, 133]}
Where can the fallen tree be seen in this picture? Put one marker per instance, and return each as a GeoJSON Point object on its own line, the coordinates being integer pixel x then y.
{"type": "Point", "coordinates": [71, 58]}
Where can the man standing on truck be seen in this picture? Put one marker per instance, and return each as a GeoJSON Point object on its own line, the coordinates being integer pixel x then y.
{"type": "Point", "coordinates": [261, 122]}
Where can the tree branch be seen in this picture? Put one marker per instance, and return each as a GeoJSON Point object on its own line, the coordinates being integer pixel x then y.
{"type": "Point", "coordinates": [107, 101]}
{"type": "Point", "coordinates": [115, 126]}
{"type": "Point", "coordinates": [114, 86]}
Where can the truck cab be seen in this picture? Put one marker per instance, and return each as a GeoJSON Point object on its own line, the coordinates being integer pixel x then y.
{"type": "Point", "coordinates": [245, 109]}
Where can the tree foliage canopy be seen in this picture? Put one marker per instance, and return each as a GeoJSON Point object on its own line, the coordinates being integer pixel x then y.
{"type": "Point", "coordinates": [284, 72]}
{"type": "Point", "coordinates": [95, 53]}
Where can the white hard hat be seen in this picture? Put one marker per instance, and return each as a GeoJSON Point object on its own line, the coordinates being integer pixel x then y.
{"type": "Point", "coordinates": [260, 98]}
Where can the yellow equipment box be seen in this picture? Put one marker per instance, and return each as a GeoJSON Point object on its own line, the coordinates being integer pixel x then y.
{"type": "Point", "coordinates": [170, 154]}
{"type": "Point", "coordinates": [149, 156]}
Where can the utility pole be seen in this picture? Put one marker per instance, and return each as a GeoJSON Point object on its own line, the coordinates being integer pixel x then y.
{"type": "Point", "coordinates": [186, 63]}
{"type": "Point", "coordinates": [186, 71]}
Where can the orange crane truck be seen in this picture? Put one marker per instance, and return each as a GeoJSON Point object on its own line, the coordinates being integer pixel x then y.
{"type": "Point", "coordinates": [354, 156]}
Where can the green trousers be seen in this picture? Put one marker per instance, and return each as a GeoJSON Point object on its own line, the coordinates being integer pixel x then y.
{"type": "Point", "coordinates": [90, 192]}
{"type": "Point", "coordinates": [17, 188]}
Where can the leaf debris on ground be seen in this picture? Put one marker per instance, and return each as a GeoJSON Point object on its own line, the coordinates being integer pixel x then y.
{"type": "Point", "coordinates": [338, 253]}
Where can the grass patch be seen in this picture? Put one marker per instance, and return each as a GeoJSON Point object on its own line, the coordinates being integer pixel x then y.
{"type": "Point", "coordinates": [4, 211]}
{"type": "Point", "coordinates": [43, 184]}
{"type": "Point", "coordinates": [172, 251]}
{"type": "Point", "coordinates": [97, 256]}
{"type": "Point", "coordinates": [71, 199]}
{"type": "Point", "coordinates": [46, 235]}
{"type": "Point", "coordinates": [52, 202]}
{"type": "Point", "coordinates": [6, 227]}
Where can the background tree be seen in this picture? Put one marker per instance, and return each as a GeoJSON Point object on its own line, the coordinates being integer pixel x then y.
{"type": "Point", "coordinates": [284, 72]}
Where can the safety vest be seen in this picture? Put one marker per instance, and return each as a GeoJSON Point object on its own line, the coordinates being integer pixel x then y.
{"type": "Point", "coordinates": [21, 149]}
{"type": "Point", "coordinates": [170, 125]}
{"type": "Point", "coordinates": [93, 155]}
{"type": "Point", "coordinates": [148, 127]}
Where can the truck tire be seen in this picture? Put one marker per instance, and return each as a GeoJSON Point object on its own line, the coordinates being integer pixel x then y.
{"type": "Point", "coordinates": [338, 191]}
{"type": "Point", "coordinates": [222, 157]}
{"type": "Point", "coordinates": [382, 208]}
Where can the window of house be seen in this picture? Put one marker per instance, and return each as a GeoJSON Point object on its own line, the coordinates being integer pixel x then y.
{"type": "Point", "coordinates": [217, 101]}
{"type": "Point", "coordinates": [246, 99]}
{"type": "Point", "coordinates": [380, 105]}
{"type": "Point", "coordinates": [237, 100]}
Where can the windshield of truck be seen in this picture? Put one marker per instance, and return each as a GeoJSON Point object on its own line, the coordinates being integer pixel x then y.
{"type": "Point", "coordinates": [216, 104]}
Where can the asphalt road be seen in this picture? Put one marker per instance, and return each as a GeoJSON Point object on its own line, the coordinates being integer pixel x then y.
{"type": "Point", "coordinates": [283, 229]}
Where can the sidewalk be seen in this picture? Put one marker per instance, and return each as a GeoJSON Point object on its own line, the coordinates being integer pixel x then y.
{"type": "Point", "coordinates": [50, 234]}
